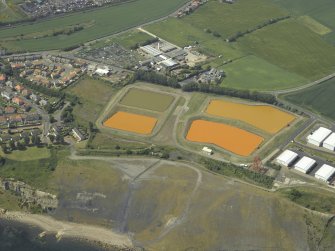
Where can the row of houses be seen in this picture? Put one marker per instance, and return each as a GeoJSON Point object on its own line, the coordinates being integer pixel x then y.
{"type": "Point", "coordinates": [4, 138]}
{"type": "Point", "coordinates": [20, 120]}
{"type": "Point", "coordinates": [305, 164]}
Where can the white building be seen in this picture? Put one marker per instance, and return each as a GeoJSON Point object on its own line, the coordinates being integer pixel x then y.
{"type": "Point", "coordinates": [102, 71]}
{"type": "Point", "coordinates": [318, 136]}
{"type": "Point", "coordinates": [325, 173]}
{"type": "Point", "coordinates": [287, 158]}
{"type": "Point", "coordinates": [329, 143]}
{"type": "Point", "coordinates": [305, 164]}
{"type": "Point", "coordinates": [207, 150]}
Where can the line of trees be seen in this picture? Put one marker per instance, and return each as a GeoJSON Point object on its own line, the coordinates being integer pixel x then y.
{"type": "Point", "coordinates": [155, 78]}
{"type": "Point", "coordinates": [146, 42]}
{"type": "Point", "coordinates": [239, 34]}
{"type": "Point", "coordinates": [231, 170]}
{"type": "Point", "coordinates": [215, 89]}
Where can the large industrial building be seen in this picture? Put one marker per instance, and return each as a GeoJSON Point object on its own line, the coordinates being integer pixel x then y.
{"type": "Point", "coordinates": [329, 143]}
{"type": "Point", "coordinates": [287, 158]}
{"type": "Point", "coordinates": [318, 136]}
{"type": "Point", "coordinates": [325, 173]}
{"type": "Point", "coordinates": [305, 164]}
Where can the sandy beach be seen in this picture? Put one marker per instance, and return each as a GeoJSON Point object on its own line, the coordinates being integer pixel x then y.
{"type": "Point", "coordinates": [69, 229]}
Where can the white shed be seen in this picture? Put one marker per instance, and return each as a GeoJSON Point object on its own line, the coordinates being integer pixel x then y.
{"type": "Point", "coordinates": [287, 158]}
{"type": "Point", "coordinates": [207, 150]}
{"type": "Point", "coordinates": [329, 143]}
{"type": "Point", "coordinates": [318, 136]}
{"type": "Point", "coordinates": [325, 173]}
{"type": "Point", "coordinates": [305, 164]}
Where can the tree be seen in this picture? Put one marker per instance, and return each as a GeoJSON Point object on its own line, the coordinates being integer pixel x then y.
{"type": "Point", "coordinates": [12, 145]}
{"type": "Point", "coordinates": [26, 140]}
{"type": "Point", "coordinates": [36, 140]}
{"type": "Point", "coordinates": [4, 148]}
{"type": "Point", "coordinates": [51, 137]}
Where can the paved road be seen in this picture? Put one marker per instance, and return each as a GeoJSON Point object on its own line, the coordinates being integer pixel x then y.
{"type": "Point", "coordinates": [299, 88]}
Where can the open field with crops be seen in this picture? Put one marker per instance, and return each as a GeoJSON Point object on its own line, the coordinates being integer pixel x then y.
{"type": "Point", "coordinates": [131, 122]}
{"type": "Point", "coordinates": [254, 73]}
{"type": "Point", "coordinates": [319, 98]}
{"type": "Point", "coordinates": [10, 12]}
{"type": "Point", "coordinates": [280, 44]}
{"type": "Point", "coordinates": [145, 99]}
{"type": "Point", "coordinates": [98, 23]}
{"type": "Point", "coordinates": [264, 117]}
{"type": "Point", "coordinates": [227, 137]}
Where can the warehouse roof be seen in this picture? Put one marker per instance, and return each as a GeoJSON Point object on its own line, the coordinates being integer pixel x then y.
{"type": "Point", "coordinates": [325, 172]}
{"type": "Point", "coordinates": [287, 157]}
{"type": "Point", "coordinates": [304, 164]}
{"type": "Point", "coordinates": [320, 134]}
{"type": "Point", "coordinates": [330, 140]}
{"type": "Point", "coordinates": [151, 50]}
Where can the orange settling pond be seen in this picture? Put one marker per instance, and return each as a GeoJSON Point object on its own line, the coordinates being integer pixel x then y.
{"type": "Point", "coordinates": [228, 137]}
{"type": "Point", "coordinates": [131, 122]}
{"type": "Point", "coordinates": [264, 117]}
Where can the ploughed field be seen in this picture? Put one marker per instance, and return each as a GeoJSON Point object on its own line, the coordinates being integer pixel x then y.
{"type": "Point", "coordinates": [230, 138]}
{"type": "Point", "coordinates": [131, 122]}
{"type": "Point", "coordinates": [266, 118]}
{"type": "Point", "coordinates": [148, 100]}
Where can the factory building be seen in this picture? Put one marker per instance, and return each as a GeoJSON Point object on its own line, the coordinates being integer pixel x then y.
{"type": "Point", "coordinates": [329, 143]}
{"type": "Point", "coordinates": [317, 137]}
{"type": "Point", "coordinates": [325, 173]}
{"type": "Point", "coordinates": [287, 158]}
{"type": "Point", "coordinates": [305, 164]}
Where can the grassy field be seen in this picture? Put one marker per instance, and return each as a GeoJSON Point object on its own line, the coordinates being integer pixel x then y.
{"type": "Point", "coordinates": [148, 100]}
{"type": "Point", "coordinates": [93, 96]}
{"type": "Point", "coordinates": [11, 12]}
{"type": "Point", "coordinates": [314, 25]}
{"type": "Point", "coordinates": [250, 13]}
{"type": "Point", "coordinates": [318, 98]}
{"type": "Point", "coordinates": [31, 153]}
{"type": "Point", "coordinates": [254, 73]}
{"type": "Point", "coordinates": [322, 11]}
{"type": "Point", "coordinates": [101, 22]}
{"type": "Point", "coordinates": [315, 199]}
{"type": "Point", "coordinates": [130, 39]}
{"type": "Point", "coordinates": [293, 47]}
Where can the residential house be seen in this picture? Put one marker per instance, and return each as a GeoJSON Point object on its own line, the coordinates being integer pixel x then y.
{"type": "Point", "coordinates": [10, 110]}
{"type": "Point", "coordinates": [19, 88]}
{"type": "Point", "coordinates": [6, 94]}
{"type": "Point", "coordinates": [78, 135]}
{"type": "Point", "coordinates": [17, 100]}
{"type": "Point", "coordinates": [26, 93]}
{"type": "Point", "coordinates": [43, 102]}
{"type": "Point", "coordinates": [2, 78]}
{"type": "Point", "coordinates": [34, 97]}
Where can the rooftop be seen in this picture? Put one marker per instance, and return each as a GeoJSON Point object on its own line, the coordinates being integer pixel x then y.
{"type": "Point", "coordinates": [305, 164]}
{"type": "Point", "coordinates": [325, 172]}
{"type": "Point", "coordinates": [320, 134]}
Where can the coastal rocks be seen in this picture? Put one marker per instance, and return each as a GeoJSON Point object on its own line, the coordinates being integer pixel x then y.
{"type": "Point", "coordinates": [30, 198]}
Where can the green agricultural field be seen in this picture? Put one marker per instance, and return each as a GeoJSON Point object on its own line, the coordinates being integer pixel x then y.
{"type": "Point", "coordinates": [321, 10]}
{"type": "Point", "coordinates": [293, 47]}
{"type": "Point", "coordinates": [149, 100]}
{"type": "Point", "coordinates": [254, 73]}
{"type": "Point", "coordinates": [319, 98]}
{"type": "Point", "coordinates": [10, 12]}
{"type": "Point", "coordinates": [98, 23]}
{"type": "Point", "coordinates": [314, 25]}
{"type": "Point", "coordinates": [232, 18]}
{"type": "Point", "coordinates": [93, 96]}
